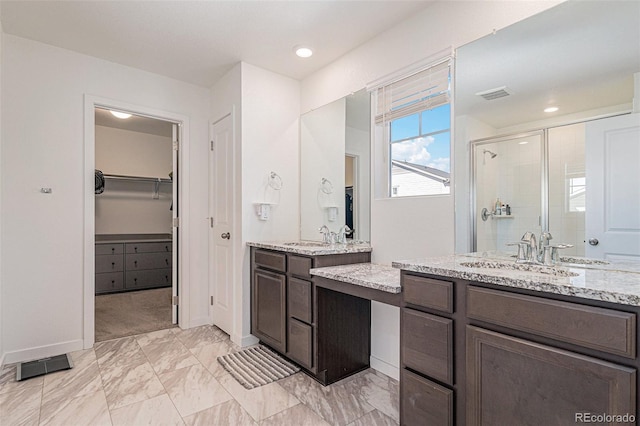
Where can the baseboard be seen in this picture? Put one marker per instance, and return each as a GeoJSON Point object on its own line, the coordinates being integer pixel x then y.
{"type": "Point", "coordinates": [42, 351]}
{"type": "Point", "coordinates": [244, 341]}
{"type": "Point", "coordinates": [384, 367]}
{"type": "Point", "coordinates": [1, 361]}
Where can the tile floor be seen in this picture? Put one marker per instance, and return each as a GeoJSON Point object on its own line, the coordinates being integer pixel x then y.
{"type": "Point", "coordinates": [172, 377]}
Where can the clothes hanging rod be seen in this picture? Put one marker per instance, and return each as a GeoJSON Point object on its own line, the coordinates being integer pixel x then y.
{"type": "Point", "coordinates": [137, 178]}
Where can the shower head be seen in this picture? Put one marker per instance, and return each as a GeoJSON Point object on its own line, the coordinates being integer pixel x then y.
{"type": "Point", "coordinates": [493, 154]}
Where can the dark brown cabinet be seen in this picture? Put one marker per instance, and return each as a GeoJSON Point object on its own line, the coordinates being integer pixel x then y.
{"type": "Point", "coordinates": [515, 381]}
{"type": "Point", "coordinates": [481, 354]}
{"type": "Point", "coordinates": [292, 316]}
{"type": "Point", "coordinates": [130, 262]}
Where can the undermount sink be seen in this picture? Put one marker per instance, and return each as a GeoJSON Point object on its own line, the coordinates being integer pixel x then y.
{"type": "Point", "coordinates": [520, 267]}
{"type": "Point", "coordinates": [306, 244]}
{"type": "Point", "coordinates": [578, 260]}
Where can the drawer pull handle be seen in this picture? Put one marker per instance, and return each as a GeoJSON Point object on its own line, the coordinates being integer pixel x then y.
{"type": "Point", "coordinates": [166, 261]}
{"type": "Point", "coordinates": [135, 281]}
{"type": "Point", "coordinates": [135, 263]}
{"type": "Point", "coordinates": [135, 249]}
{"type": "Point", "coordinates": [113, 265]}
{"type": "Point", "coordinates": [166, 248]}
{"type": "Point", "coordinates": [113, 249]}
{"type": "Point", "coordinates": [166, 277]}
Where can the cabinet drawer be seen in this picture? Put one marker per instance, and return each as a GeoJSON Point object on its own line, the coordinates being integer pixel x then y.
{"type": "Point", "coordinates": [299, 265]}
{"type": "Point", "coordinates": [151, 278]}
{"type": "Point", "coordinates": [109, 263]}
{"type": "Point", "coordinates": [271, 260]}
{"type": "Point", "coordinates": [162, 247]}
{"type": "Point", "coordinates": [427, 344]}
{"type": "Point", "coordinates": [300, 341]}
{"type": "Point", "coordinates": [601, 329]}
{"type": "Point", "coordinates": [102, 249]}
{"type": "Point", "coordinates": [299, 300]}
{"type": "Point", "coordinates": [427, 292]}
{"type": "Point", "coordinates": [148, 261]}
{"type": "Point", "coordinates": [424, 402]}
{"type": "Point", "coordinates": [111, 281]}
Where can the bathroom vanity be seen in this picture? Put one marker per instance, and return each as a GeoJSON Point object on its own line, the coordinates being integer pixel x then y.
{"type": "Point", "coordinates": [325, 332]}
{"type": "Point", "coordinates": [485, 341]}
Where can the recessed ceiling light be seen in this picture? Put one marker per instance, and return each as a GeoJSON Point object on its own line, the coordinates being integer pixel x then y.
{"type": "Point", "coordinates": [523, 143]}
{"type": "Point", "coordinates": [303, 51]}
{"type": "Point", "coordinates": [119, 114]}
{"type": "Point", "coordinates": [551, 109]}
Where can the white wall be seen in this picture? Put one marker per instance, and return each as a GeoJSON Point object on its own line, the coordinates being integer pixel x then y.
{"type": "Point", "coordinates": [429, 228]}
{"type": "Point", "coordinates": [43, 146]}
{"type": "Point", "coordinates": [129, 207]}
{"type": "Point", "coordinates": [267, 108]}
{"type": "Point", "coordinates": [1, 191]}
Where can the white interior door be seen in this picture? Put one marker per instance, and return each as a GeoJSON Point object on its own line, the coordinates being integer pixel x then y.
{"type": "Point", "coordinates": [221, 201]}
{"type": "Point", "coordinates": [175, 229]}
{"type": "Point", "coordinates": [613, 188]}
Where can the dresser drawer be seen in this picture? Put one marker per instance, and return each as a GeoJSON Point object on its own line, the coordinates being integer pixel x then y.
{"type": "Point", "coordinates": [148, 261]}
{"type": "Point", "coordinates": [111, 281]}
{"type": "Point", "coordinates": [427, 344]}
{"type": "Point", "coordinates": [109, 263]}
{"type": "Point", "coordinates": [601, 329]}
{"type": "Point", "coordinates": [271, 260]}
{"type": "Point", "coordinates": [424, 402]}
{"type": "Point", "coordinates": [150, 278]}
{"type": "Point", "coordinates": [428, 292]}
{"type": "Point", "coordinates": [299, 300]}
{"type": "Point", "coordinates": [155, 247]}
{"type": "Point", "coordinates": [102, 249]}
{"type": "Point", "coordinates": [299, 265]}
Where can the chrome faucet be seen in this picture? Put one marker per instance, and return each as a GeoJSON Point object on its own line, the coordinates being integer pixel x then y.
{"type": "Point", "coordinates": [534, 253]}
{"type": "Point", "coordinates": [342, 234]}
{"type": "Point", "coordinates": [544, 251]}
{"type": "Point", "coordinates": [326, 234]}
{"type": "Point", "coordinates": [531, 248]}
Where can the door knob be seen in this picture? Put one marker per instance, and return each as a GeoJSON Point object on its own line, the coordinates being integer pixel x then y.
{"type": "Point", "coordinates": [225, 236]}
{"type": "Point", "coordinates": [593, 241]}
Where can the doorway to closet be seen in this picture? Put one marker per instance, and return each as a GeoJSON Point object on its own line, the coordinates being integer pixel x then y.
{"type": "Point", "coordinates": [136, 204]}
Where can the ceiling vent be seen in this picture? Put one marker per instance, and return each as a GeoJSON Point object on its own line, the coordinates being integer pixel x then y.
{"type": "Point", "coordinates": [491, 94]}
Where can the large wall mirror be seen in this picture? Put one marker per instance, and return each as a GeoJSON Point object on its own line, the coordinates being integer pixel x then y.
{"type": "Point", "coordinates": [552, 168]}
{"type": "Point", "coordinates": [335, 168]}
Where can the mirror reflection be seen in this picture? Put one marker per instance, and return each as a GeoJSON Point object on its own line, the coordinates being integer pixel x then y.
{"type": "Point", "coordinates": [569, 73]}
{"type": "Point", "coordinates": [334, 168]}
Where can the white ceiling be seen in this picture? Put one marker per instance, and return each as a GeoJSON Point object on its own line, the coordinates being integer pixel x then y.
{"type": "Point", "coordinates": [199, 41]}
{"type": "Point", "coordinates": [579, 55]}
{"type": "Point", "coordinates": [135, 123]}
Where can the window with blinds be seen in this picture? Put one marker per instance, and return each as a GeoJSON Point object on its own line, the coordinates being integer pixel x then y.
{"type": "Point", "coordinates": [415, 116]}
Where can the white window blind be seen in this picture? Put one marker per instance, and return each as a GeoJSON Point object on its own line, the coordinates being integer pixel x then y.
{"type": "Point", "coordinates": [424, 90]}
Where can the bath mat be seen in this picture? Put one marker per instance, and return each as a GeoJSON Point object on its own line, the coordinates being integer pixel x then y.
{"type": "Point", "coordinates": [257, 366]}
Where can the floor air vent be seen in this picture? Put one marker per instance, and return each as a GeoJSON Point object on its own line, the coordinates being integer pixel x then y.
{"type": "Point", "coordinates": [27, 370]}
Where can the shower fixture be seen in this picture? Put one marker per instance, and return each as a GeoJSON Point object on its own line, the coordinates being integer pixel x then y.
{"type": "Point", "coordinates": [484, 157]}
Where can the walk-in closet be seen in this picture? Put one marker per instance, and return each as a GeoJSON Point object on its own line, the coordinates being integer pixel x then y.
{"type": "Point", "coordinates": [135, 258]}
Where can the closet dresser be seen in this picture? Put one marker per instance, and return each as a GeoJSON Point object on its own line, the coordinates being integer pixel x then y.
{"type": "Point", "coordinates": [126, 262]}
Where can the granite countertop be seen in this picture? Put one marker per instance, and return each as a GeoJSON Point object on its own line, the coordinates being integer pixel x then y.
{"type": "Point", "coordinates": [616, 282]}
{"type": "Point", "coordinates": [126, 238]}
{"type": "Point", "coordinates": [313, 248]}
{"type": "Point", "coordinates": [371, 275]}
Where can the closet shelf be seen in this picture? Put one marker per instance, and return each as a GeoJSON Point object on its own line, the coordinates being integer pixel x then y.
{"type": "Point", "coordinates": [137, 178]}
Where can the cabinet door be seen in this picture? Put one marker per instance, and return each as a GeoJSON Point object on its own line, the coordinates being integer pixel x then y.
{"type": "Point", "coordinates": [268, 308]}
{"type": "Point", "coordinates": [514, 381]}
{"type": "Point", "coordinates": [423, 402]}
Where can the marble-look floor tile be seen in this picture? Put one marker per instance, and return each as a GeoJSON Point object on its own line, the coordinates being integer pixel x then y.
{"type": "Point", "coordinates": [119, 353]}
{"type": "Point", "coordinates": [335, 403]}
{"type": "Point", "coordinates": [153, 412]}
{"type": "Point", "coordinates": [227, 413]}
{"type": "Point", "coordinates": [261, 402]}
{"type": "Point", "coordinates": [199, 336]}
{"type": "Point", "coordinates": [299, 415]}
{"type": "Point", "coordinates": [21, 406]}
{"type": "Point", "coordinates": [165, 352]}
{"type": "Point", "coordinates": [374, 418]}
{"type": "Point", "coordinates": [90, 409]}
{"type": "Point", "coordinates": [84, 378]}
{"type": "Point", "coordinates": [208, 356]}
{"type": "Point", "coordinates": [379, 391]}
{"type": "Point", "coordinates": [8, 381]}
{"type": "Point", "coordinates": [193, 389]}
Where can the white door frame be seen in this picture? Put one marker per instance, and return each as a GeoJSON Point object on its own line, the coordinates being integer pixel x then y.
{"type": "Point", "coordinates": [90, 103]}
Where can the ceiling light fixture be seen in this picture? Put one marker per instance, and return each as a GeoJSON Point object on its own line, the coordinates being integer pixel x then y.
{"type": "Point", "coordinates": [122, 115]}
{"type": "Point", "coordinates": [303, 51]}
{"type": "Point", "coordinates": [551, 109]}
{"type": "Point", "coordinates": [523, 143]}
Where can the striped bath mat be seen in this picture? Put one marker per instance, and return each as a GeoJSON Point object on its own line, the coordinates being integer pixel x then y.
{"type": "Point", "coordinates": [257, 366]}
